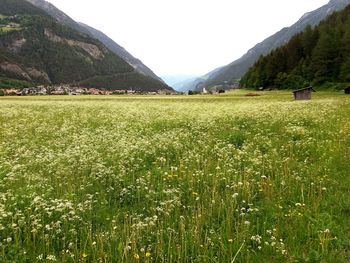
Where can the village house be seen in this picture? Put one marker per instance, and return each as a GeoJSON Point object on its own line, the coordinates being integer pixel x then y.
{"type": "Point", "coordinates": [303, 94]}
{"type": "Point", "coordinates": [122, 91]}
{"type": "Point", "coordinates": [94, 91]}
{"type": "Point", "coordinates": [12, 92]}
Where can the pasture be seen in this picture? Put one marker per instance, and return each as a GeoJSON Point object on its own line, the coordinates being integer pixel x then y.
{"type": "Point", "coordinates": [222, 178]}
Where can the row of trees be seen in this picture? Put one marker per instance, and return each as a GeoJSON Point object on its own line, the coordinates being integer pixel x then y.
{"type": "Point", "coordinates": [124, 81]}
{"type": "Point", "coordinates": [316, 56]}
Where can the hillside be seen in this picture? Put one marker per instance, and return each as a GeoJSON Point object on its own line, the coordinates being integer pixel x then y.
{"type": "Point", "coordinates": [108, 42]}
{"type": "Point", "coordinates": [120, 51]}
{"type": "Point", "coordinates": [235, 70]}
{"type": "Point", "coordinates": [36, 49]}
{"type": "Point", "coordinates": [315, 56]}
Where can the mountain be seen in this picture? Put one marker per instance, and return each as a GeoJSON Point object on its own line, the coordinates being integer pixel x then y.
{"type": "Point", "coordinates": [319, 56]}
{"type": "Point", "coordinates": [83, 28]}
{"type": "Point", "coordinates": [176, 80]}
{"type": "Point", "coordinates": [120, 51]}
{"type": "Point", "coordinates": [235, 70]}
{"type": "Point", "coordinates": [36, 48]}
{"type": "Point", "coordinates": [196, 83]}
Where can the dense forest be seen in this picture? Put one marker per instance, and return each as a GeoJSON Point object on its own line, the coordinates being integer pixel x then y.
{"type": "Point", "coordinates": [318, 56]}
{"type": "Point", "coordinates": [131, 80]}
{"type": "Point", "coordinates": [36, 49]}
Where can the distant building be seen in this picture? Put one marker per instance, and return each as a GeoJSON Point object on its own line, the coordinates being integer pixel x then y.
{"type": "Point", "coordinates": [303, 94]}
{"type": "Point", "coordinates": [347, 90]}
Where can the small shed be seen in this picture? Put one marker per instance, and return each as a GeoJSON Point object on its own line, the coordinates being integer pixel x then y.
{"type": "Point", "coordinates": [347, 90]}
{"type": "Point", "coordinates": [303, 94]}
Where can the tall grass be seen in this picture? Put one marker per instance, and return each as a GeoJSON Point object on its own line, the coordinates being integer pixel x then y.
{"type": "Point", "coordinates": [175, 179]}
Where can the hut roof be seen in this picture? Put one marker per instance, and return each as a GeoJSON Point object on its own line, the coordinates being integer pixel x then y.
{"type": "Point", "coordinates": [307, 88]}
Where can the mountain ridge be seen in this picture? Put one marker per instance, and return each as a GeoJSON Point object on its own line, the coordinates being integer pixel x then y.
{"type": "Point", "coordinates": [318, 56]}
{"type": "Point", "coordinates": [236, 69]}
{"type": "Point", "coordinates": [35, 48]}
{"type": "Point", "coordinates": [95, 33]}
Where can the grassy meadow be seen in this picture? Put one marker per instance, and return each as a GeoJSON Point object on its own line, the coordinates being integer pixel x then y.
{"type": "Point", "coordinates": [219, 179]}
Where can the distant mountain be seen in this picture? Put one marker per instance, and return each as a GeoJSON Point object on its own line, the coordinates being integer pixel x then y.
{"type": "Point", "coordinates": [196, 83]}
{"type": "Point", "coordinates": [36, 48]}
{"type": "Point", "coordinates": [182, 85]}
{"type": "Point", "coordinates": [236, 69]}
{"type": "Point", "coordinates": [176, 80]}
{"type": "Point", "coordinates": [319, 56]}
{"type": "Point", "coordinates": [108, 42]}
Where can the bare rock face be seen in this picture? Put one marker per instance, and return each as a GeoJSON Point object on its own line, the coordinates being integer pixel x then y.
{"type": "Point", "coordinates": [15, 69]}
{"type": "Point", "coordinates": [37, 74]}
{"type": "Point", "coordinates": [91, 49]}
{"type": "Point", "coordinates": [87, 30]}
{"type": "Point", "coordinates": [17, 45]}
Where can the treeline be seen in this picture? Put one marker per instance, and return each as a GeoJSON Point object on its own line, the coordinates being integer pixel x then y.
{"type": "Point", "coordinates": [318, 56]}
{"type": "Point", "coordinates": [125, 81]}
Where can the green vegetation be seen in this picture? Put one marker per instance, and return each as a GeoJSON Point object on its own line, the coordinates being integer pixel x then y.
{"type": "Point", "coordinates": [7, 29]}
{"type": "Point", "coordinates": [317, 56]}
{"type": "Point", "coordinates": [175, 178]}
{"type": "Point", "coordinates": [19, 7]}
{"type": "Point", "coordinates": [68, 56]}
{"type": "Point", "coordinates": [14, 83]}
{"type": "Point", "coordinates": [132, 80]}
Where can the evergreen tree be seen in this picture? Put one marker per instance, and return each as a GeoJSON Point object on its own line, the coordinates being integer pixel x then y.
{"type": "Point", "coordinates": [317, 55]}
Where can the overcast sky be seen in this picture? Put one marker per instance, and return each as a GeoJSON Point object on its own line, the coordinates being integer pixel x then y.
{"type": "Point", "coordinates": [187, 36]}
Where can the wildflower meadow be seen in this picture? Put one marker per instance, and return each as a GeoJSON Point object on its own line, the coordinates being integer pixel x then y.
{"type": "Point", "coordinates": [216, 178]}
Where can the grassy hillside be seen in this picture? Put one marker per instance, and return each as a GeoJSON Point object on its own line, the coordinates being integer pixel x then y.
{"type": "Point", "coordinates": [319, 56]}
{"type": "Point", "coordinates": [175, 179]}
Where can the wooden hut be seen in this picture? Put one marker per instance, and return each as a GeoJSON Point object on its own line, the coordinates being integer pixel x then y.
{"type": "Point", "coordinates": [347, 90]}
{"type": "Point", "coordinates": [303, 94]}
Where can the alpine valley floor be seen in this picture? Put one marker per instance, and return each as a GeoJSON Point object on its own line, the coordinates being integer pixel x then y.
{"type": "Point", "coordinates": [224, 178]}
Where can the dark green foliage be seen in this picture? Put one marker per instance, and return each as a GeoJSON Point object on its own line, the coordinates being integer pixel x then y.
{"type": "Point", "coordinates": [14, 83]}
{"type": "Point", "coordinates": [19, 7]}
{"type": "Point", "coordinates": [62, 56]}
{"type": "Point", "coordinates": [191, 92]}
{"type": "Point", "coordinates": [316, 56]}
{"type": "Point", "coordinates": [125, 81]}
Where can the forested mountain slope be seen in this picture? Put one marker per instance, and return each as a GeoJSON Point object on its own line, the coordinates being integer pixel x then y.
{"type": "Point", "coordinates": [36, 49]}
{"type": "Point", "coordinates": [108, 42]}
{"type": "Point", "coordinates": [232, 72]}
{"type": "Point", "coordinates": [316, 56]}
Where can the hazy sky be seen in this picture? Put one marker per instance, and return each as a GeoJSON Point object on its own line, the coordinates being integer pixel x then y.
{"type": "Point", "coordinates": [187, 36]}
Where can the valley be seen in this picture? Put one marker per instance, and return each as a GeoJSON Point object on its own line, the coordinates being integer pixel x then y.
{"type": "Point", "coordinates": [175, 178]}
{"type": "Point", "coordinates": [103, 160]}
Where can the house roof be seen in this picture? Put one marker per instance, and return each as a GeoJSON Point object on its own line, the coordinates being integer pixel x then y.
{"type": "Point", "coordinates": [307, 88]}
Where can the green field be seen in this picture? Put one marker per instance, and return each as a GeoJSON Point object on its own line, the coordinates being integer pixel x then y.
{"type": "Point", "coordinates": [175, 178]}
